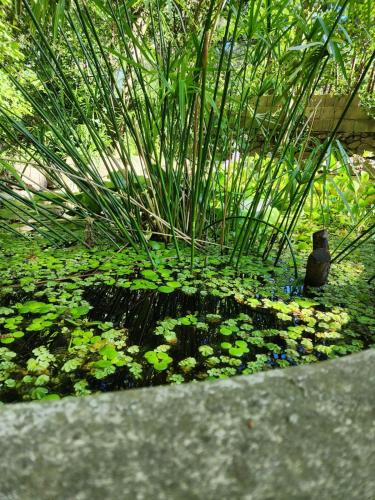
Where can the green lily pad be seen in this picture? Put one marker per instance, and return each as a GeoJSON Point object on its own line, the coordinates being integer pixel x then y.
{"type": "Point", "coordinates": [166, 289]}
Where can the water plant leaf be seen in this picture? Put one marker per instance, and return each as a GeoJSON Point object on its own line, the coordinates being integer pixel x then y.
{"type": "Point", "coordinates": [18, 334]}
{"type": "Point", "coordinates": [51, 397]}
{"type": "Point", "coordinates": [5, 311]}
{"type": "Point", "coordinates": [35, 307]}
{"type": "Point", "coordinates": [108, 352]}
{"type": "Point", "coordinates": [150, 275]}
{"type": "Point", "coordinates": [187, 364]}
{"type": "Point", "coordinates": [7, 340]}
{"type": "Point", "coordinates": [140, 284]}
{"type": "Point", "coordinates": [39, 393]}
{"type": "Point", "coordinates": [206, 350]}
{"type": "Point", "coordinates": [226, 345]}
{"type": "Point", "coordinates": [103, 363]}
{"type": "Point", "coordinates": [78, 311]}
{"type": "Point", "coordinates": [166, 289]}
{"type": "Point", "coordinates": [71, 365]}
{"type": "Point", "coordinates": [159, 360]}
{"type": "Point", "coordinates": [173, 284]}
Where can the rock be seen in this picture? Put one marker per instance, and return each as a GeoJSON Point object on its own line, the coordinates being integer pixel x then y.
{"type": "Point", "coordinates": [31, 176]}
{"type": "Point", "coordinates": [368, 141]}
{"type": "Point", "coordinates": [355, 144]}
{"type": "Point", "coordinates": [298, 433]}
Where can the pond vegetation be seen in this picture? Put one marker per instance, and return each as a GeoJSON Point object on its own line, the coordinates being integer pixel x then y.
{"type": "Point", "coordinates": [166, 237]}
{"type": "Point", "coordinates": [78, 320]}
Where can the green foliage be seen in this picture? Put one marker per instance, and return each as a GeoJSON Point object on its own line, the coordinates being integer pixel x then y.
{"type": "Point", "coordinates": [147, 120]}
{"type": "Point", "coordinates": [122, 80]}
{"type": "Point", "coordinates": [12, 59]}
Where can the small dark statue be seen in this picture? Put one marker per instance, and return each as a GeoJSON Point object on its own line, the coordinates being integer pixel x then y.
{"type": "Point", "coordinates": [319, 261]}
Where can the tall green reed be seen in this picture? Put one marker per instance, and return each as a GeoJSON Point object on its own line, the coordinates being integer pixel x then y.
{"type": "Point", "coordinates": [167, 101]}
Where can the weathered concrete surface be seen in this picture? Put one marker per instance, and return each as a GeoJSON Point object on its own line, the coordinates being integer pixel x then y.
{"type": "Point", "coordinates": [324, 111]}
{"type": "Point", "coordinates": [294, 434]}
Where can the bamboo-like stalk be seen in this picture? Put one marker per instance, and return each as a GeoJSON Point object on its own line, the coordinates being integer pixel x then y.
{"type": "Point", "coordinates": [187, 102]}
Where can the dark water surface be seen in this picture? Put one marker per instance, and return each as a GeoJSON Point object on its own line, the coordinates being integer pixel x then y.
{"type": "Point", "coordinates": [140, 311]}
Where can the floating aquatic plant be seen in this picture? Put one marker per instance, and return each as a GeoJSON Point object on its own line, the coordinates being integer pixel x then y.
{"type": "Point", "coordinates": [158, 359]}
{"type": "Point", "coordinates": [52, 345]}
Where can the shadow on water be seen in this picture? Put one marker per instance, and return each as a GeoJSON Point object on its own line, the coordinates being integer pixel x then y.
{"type": "Point", "coordinates": [140, 311]}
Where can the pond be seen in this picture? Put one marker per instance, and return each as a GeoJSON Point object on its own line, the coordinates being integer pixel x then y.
{"type": "Point", "coordinates": [86, 320]}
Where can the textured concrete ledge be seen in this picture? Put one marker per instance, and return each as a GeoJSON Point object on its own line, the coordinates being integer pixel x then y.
{"type": "Point", "coordinates": [294, 434]}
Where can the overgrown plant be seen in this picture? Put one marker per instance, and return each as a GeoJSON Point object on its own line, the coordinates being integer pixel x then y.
{"type": "Point", "coordinates": [168, 101]}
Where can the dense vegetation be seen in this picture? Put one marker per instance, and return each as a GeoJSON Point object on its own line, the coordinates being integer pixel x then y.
{"type": "Point", "coordinates": [166, 186]}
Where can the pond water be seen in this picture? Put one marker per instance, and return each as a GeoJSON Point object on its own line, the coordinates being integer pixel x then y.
{"type": "Point", "coordinates": [121, 325]}
{"type": "Point", "coordinates": [140, 313]}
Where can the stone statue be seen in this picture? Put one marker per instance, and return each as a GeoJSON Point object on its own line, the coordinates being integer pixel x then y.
{"type": "Point", "coordinates": [319, 261]}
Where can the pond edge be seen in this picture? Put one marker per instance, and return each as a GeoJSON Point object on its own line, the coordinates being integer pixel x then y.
{"type": "Point", "coordinates": [301, 432]}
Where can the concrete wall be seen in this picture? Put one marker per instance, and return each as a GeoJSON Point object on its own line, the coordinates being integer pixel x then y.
{"type": "Point", "coordinates": [356, 131]}
{"type": "Point", "coordinates": [325, 112]}
{"type": "Point", "coordinates": [301, 433]}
